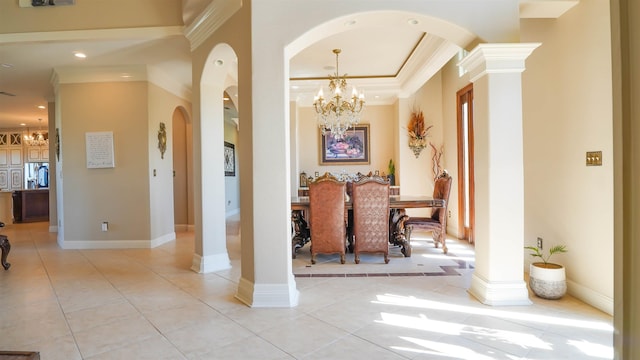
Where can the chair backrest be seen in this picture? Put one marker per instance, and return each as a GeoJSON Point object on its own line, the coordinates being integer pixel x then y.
{"type": "Point", "coordinates": [441, 190]}
{"type": "Point", "coordinates": [326, 210]}
{"type": "Point", "coordinates": [370, 200]}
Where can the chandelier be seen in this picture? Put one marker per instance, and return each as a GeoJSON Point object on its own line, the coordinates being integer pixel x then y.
{"type": "Point", "coordinates": [37, 138]}
{"type": "Point", "coordinates": [338, 114]}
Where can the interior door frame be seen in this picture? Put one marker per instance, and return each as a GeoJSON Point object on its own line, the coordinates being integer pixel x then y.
{"type": "Point", "coordinates": [465, 232]}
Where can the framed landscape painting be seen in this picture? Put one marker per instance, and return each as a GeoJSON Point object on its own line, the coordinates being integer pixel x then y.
{"type": "Point", "coordinates": [353, 149]}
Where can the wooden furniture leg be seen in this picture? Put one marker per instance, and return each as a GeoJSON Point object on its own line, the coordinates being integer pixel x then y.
{"type": "Point", "coordinates": [6, 247]}
{"type": "Point", "coordinates": [301, 233]}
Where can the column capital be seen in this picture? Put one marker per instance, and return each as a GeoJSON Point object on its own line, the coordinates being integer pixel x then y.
{"type": "Point", "coordinates": [497, 58]}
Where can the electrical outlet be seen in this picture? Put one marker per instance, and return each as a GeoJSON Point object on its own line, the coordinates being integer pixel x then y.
{"type": "Point", "coordinates": [540, 243]}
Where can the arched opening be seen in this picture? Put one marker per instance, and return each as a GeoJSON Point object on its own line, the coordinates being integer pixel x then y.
{"type": "Point", "coordinates": [219, 73]}
{"type": "Point", "coordinates": [182, 141]}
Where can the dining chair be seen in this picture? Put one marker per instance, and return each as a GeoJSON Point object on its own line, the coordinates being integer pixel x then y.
{"type": "Point", "coordinates": [327, 217]}
{"type": "Point", "coordinates": [437, 223]}
{"type": "Point", "coordinates": [370, 199]}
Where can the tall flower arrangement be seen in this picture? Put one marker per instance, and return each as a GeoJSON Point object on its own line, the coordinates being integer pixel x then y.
{"type": "Point", "coordinates": [417, 132]}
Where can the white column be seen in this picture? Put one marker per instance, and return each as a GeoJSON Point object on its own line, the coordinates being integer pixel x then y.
{"type": "Point", "coordinates": [495, 70]}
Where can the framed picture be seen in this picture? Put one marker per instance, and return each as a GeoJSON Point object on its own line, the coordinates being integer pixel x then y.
{"type": "Point", "coordinates": [229, 159]}
{"type": "Point", "coordinates": [353, 149]}
{"type": "Point", "coordinates": [304, 180]}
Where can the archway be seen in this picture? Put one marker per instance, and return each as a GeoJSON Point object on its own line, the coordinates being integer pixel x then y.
{"type": "Point", "coordinates": [219, 73]}
{"type": "Point", "coordinates": [182, 140]}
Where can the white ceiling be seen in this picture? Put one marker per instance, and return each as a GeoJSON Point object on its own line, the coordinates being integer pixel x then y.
{"type": "Point", "coordinates": [27, 62]}
{"type": "Point", "coordinates": [383, 61]}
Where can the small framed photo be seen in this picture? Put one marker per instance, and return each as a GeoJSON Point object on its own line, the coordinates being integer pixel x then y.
{"type": "Point", "coordinates": [352, 149]}
{"type": "Point", "coordinates": [304, 181]}
{"type": "Point", "coordinates": [229, 159]}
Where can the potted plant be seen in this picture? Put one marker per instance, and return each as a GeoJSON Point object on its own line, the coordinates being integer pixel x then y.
{"type": "Point", "coordinates": [546, 279]}
{"type": "Point", "coordinates": [392, 173]}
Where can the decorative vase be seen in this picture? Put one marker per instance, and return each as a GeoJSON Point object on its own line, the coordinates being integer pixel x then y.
{"type": "Point", "coordinates": [547, 281]}
{"type": "Point", "coordinates": [392, 179]}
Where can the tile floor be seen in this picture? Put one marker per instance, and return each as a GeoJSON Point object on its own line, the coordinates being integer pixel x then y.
{"type": "Point", "coordinates": [147, 304]}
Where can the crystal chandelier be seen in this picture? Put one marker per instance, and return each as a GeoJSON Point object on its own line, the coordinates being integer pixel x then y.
{"type": "Point", "coordinates": [338, 114]}
{"type": "Point", "coordinates": [37, 138]}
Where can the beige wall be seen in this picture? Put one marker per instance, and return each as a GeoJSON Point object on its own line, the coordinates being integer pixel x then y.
{"type": "Point", "coordinates": [135, 196]}
{"type": "Point", "coordinates": [89, 14]}
{"type": "Point", "coordinates": [567, 111]}
{"type": "Point", "coordinates": [161, 106]}
{"type": "Point", "coordinates": [119, 195]}
{"type": "Point", "coordinates": [381, 120]}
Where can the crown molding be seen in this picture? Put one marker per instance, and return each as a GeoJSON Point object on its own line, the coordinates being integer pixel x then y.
{"type": "Point", "coordinates": [94, 35]}
{"type": "Point", "coordinates": [497, 58]}
{"type": "Point", "coordinates": [96, 74]}
{"type": "Point", "coordinates": [213, 16]}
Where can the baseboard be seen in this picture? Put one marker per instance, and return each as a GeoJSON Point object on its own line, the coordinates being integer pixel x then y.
{"type": "Point", "coordinates": [184, 227]}
{"type": "Point", "coordinates": [115, 244]}
{"type": "Point", "coordinates": [499, 293]}
{"type": "Point", "coordinates": [210, 263]}
{"type": "Point", "coordinates": [593, 298]}
{"type": "Point", "coordinates": [268, 295]}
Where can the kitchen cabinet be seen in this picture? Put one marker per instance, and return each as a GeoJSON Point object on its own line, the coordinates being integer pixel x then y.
{"type": "Point", "coordinates": [37, 154]}
{"type": "Point", "coordinates": [30, 205]}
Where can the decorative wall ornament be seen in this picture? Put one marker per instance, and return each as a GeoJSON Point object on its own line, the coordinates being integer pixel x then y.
{"type": "Point", "coordinates": [162, 140]}
{"type": "Point", "coordinates": [417, 132]}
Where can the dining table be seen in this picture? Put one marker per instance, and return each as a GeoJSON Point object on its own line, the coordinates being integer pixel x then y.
{"type": "Point", "coordinates": [397, 217]}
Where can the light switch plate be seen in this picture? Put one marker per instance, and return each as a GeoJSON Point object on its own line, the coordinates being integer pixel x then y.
{"type": "Point", "coordinates": [594, 158]}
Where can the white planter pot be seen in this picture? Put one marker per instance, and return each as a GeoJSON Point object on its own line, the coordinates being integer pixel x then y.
{"type": "Point", "coordinates": [547, 282]}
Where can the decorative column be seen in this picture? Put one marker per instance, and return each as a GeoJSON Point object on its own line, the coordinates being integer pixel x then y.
{"type": "Point", "coordinates": [495, 70]}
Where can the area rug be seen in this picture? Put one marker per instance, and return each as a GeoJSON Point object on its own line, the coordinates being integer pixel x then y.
{"type": "Point", "coordinates": [425, 260]}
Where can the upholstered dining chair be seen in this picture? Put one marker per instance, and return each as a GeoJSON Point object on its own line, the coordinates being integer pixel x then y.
{"type": "Point", "coordinates": [327, 217]}
{"type": "Point", "coordinates": [437, 223]}
{"type": "Point", "coordinates": [370, 199]}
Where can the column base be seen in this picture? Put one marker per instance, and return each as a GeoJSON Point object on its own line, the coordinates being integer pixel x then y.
{"type": "Point", "coordinates": [268, 295]}
{"type": "Point", "coordinates": [211, 263]}
{"type": "Point", "coordinates": [499, 293]}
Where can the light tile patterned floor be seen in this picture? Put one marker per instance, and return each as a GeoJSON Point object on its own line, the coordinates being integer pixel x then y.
{"type": "Point", "coordinates": [147, 304]}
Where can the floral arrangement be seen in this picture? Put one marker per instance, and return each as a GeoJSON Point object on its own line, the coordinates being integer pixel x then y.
{"type": "Point", "coordinates": [417, 132]}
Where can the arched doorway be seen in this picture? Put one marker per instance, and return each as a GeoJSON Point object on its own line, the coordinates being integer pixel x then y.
{"type": "Point", "coordinates": [219, 73]}
{"type": "Point", "coordinates": [182, 170]}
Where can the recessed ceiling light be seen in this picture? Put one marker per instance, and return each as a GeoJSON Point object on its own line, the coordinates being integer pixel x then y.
{"type": "Point", "coordinates": [219, 62]}
{"type": "Point", "coordinates": [413, 21]}
{"type": "Point", "coordinates": [5, 65]}
{"type": "Point", "coordinates": [41, 107]}
{"type": "Point", "coordinates": [351, 22]}
{"type": "Point", "coordinates": [295, 87]}
{"type": "Point", "coordinates": [80, 55]}
{"type": "Point", "coordinates": [226, 98]}
{"type": "Point", "coordinates": [23, 124]}
{"type": "Point", "coordinates": [125, 76]}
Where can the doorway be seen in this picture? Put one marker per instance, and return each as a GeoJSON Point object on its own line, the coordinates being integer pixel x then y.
{"type": "Point", "coordinates": [466, 206]}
